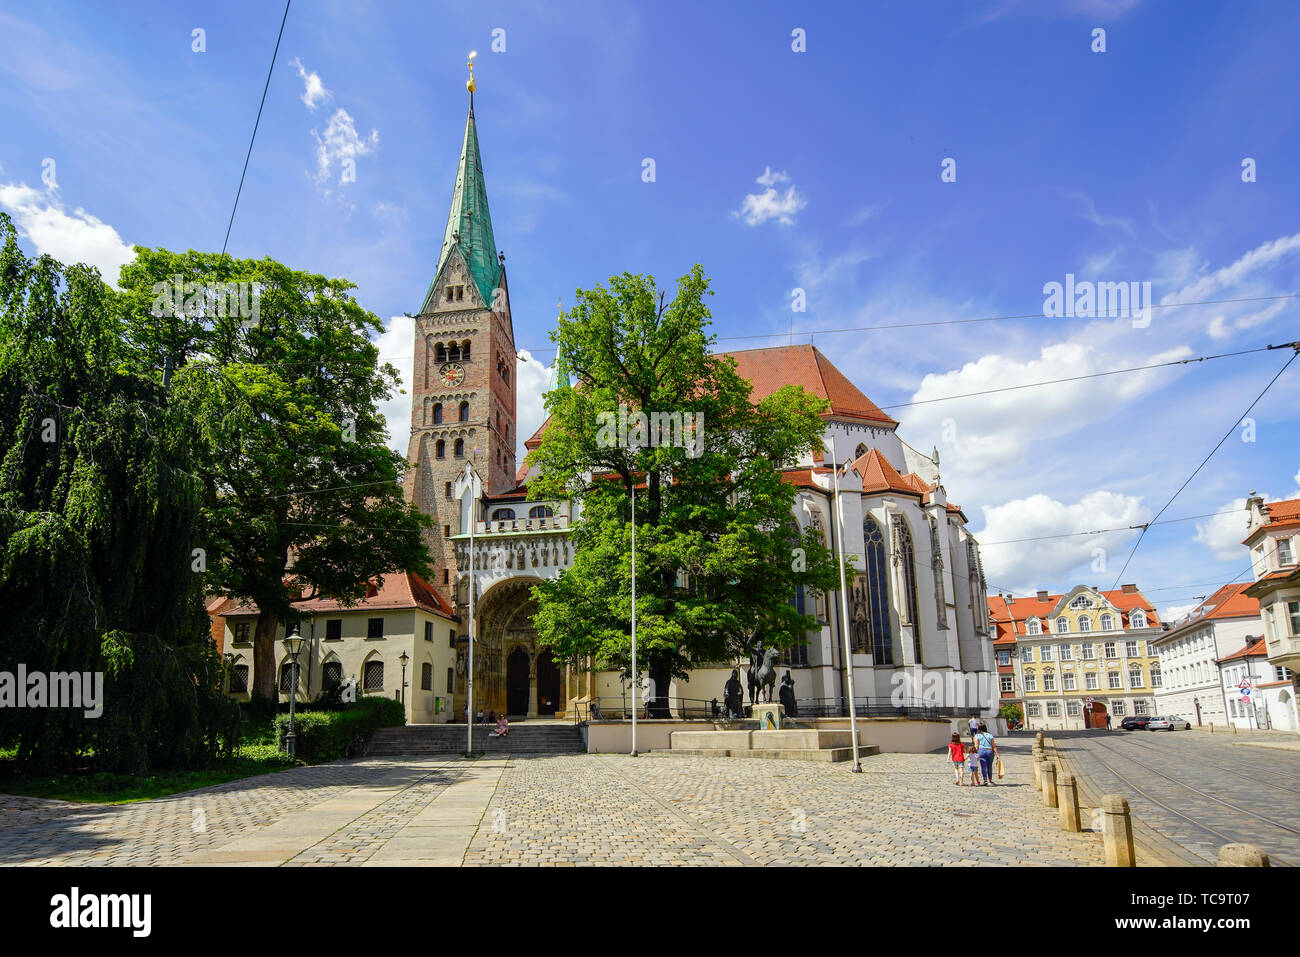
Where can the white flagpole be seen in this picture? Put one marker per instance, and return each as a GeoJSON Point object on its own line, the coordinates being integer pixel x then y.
{"type": "Point", "coordinates": [634, 674]}
{"type": "Point", "coordinates": [844, 607]}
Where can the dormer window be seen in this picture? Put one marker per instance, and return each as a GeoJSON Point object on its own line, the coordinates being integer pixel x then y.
{"type": "Point", "coordinates": [460, 293]}
{"type": "Point", "coordinates": [451, 293]}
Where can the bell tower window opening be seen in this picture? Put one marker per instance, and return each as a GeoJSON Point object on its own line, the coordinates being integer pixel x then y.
{"type": "Point", "coordinates": [440, 449]}
{"type": "Point", "coordinates": [453, 353]}
{"type": "Point", "coordinates": [460, 448]}
{"type": "Point", "coordinates": [440, 353]}
{"type": "Point", "coordinates": [437, 413]}
{"type": "Point", "coordinates": [464, 412]}
{"type": "Point", "coordinates": [464, 350]}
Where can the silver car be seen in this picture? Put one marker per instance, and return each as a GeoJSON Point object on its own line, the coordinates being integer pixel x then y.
{"type": "Point", "coordinates": [1159, 723]}
{"type": "Point", "coordinates": [1177, 723]}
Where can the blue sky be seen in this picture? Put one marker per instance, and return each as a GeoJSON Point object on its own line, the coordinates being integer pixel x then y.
{"type": "Point", "coordinates": [1123, 165]}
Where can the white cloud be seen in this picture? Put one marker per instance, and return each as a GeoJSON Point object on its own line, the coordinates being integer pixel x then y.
{"type": "Point", "coordinates": [1261, 257]}
{"type": "Point", "coordinates": [68, 237]}
{"type": "Point", "coordinates": [390, 212]}
{"type": "Point", "coordinates": [1023, 566]}
{"type": "Point", "coordinates": [532, 378]}
{"type": "Point", "coordinates": [990, 434]}
{"type": "Point", "coordinates": [758, 208]}
{"type": "Point", "coordinates": [396, 346]}
{"type": "Point", "coordinates": [314, 92]}
{"type": "Point", "coordinates": [339, 145]}
{"type": "Point", "coordinates": [1223, 533]}
{"type": "Point", "coordinates": [1172, 613]}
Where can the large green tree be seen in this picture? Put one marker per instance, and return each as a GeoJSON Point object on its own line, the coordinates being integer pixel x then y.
{"type": "Point", "coordinates": [718, 555]}
{"type": "Point", "coordinates": [280, 380]}
{"type": "Point", "coordinates": [98, 499]}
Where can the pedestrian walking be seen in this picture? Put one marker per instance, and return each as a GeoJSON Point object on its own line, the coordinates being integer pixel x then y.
{"type": "Point", "coordinates": [957, 755]}
{"type": "Point", "coordinates": [987, 749]}
{"type": "Point", "coordinates": [1107, 720]}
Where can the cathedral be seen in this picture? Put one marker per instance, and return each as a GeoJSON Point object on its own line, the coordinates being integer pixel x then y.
{"type": "Point", "coordinates": [916, 609]}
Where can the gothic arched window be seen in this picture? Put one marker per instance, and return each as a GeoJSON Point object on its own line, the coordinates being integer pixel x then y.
{"type": "Point", "coordinates": [860, 451]}
{"type": "Point", "coordinates": [464, 412]}
{"type": "Point", "coordinates": [906, 559]}
{"type": "Point", "coordinates": [437, 414]}
{"type": "Point", "coordinates": [878, 637]}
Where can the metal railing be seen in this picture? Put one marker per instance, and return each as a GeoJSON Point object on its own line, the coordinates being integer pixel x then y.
{"type": "Point", "coordinates": [712, 709]}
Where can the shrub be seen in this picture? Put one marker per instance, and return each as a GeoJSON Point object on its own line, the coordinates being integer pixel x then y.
{"type": "Point", "coordinates": [325, 735]}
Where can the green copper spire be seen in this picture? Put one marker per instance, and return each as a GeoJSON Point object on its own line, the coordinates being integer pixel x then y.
{"type": "Point", "coordinates": [469, 224]}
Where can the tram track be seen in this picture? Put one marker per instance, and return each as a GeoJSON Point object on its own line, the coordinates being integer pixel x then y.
{"type": "Point", "coordinates": [1200, 825]}
{"type": "Point", "coordinates": [1233, 769]}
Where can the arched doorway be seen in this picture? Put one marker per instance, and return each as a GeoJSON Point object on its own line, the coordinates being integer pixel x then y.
{"type": "Point", "coordinates": [549, 683]}
{"type": "Point", "coordinates": [1097, 715]}
{"type": "Point", "coordinates": [518, 673]}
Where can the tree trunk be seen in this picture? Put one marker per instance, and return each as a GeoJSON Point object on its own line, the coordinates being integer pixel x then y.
{"type": "Point", "coordinates": [265, 683]}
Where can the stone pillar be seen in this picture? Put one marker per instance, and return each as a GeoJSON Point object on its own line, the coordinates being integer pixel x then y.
{"type": "Point", "coordinates": [1117, 831]}
{"type": "Point", "coordinates": [1067, 795]}
{"type": "Point", "coordinates": [1242, 855]}
{"type": "Point", "coordinates": [532, 685]}
{"type": "Point", "coordinates": [1049, 784]}
{"type": "Point", "coordinates": [1037, 761]}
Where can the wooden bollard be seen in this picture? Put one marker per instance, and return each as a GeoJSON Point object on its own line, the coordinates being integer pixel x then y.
{"type": "Point", "coordinates": [1242, 855]}
{"type": "Point", "coordinates": [1117, 831]}
{"type": "Point", "coordinates": [1049, 784]}
{"type": "Point", "coordinates": [1067, 796]}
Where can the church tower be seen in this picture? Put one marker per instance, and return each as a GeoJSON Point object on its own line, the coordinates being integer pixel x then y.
{"type": "Point", "coordinates": [463, 393]}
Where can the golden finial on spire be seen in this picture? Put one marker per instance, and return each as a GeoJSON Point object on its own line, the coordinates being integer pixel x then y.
{"type": "Point", "coordinates": [469, 85]}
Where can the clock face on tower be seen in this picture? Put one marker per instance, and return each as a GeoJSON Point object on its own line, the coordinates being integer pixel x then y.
{"type": "Point", "coordinates": [452, 374]}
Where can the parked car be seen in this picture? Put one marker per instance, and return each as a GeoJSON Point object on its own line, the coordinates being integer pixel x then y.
{"type": "Point", "coordinates": [1159, 723]}
{"type": "Point", "coordinates": [1135, 722]}
{"type": "Point", "coordinates": [1176, 723]}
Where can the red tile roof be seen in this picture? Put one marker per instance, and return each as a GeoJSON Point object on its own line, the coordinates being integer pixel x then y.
{"type": "Point", "coordinates": [1016, 611]}
{"type": "Point", "coordinates": [769, 369]}
{"type": "Point", "coordinates": [1230, 601]}
{"type": "Point", "coordinates": [1286, 512]}
{"type": "Point", "coordinates": [1254, 649]}
{"type": "Point", "coordinates": [398, 590]}
{"type": "Point", "coordinates": [804, 365]}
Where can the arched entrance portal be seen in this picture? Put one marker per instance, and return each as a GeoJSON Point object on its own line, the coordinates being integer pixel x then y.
{"type": "Point", "coordinates": [518, 679]}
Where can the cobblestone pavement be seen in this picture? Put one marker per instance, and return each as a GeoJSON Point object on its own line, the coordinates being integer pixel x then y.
{"type": "Point", "coordinates": [1194, 790]}
{"type": "Point", "coordinates": [567, 810]}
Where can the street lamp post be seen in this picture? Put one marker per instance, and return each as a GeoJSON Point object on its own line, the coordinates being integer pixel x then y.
{"type": "Point", "coordinates": [844, 607]}
{"type": "Point", "coordinates": [634, 674]}
{"type": "Point", "coordinates": [404, 659]}
{"type": "Point", "coordinates": [293, 647]}
{"type": "Point", "coordinates": [471, 478]}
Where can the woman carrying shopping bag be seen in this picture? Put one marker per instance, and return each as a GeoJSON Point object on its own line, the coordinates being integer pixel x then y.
{"type": "Point", "coordinates": [988, 750]}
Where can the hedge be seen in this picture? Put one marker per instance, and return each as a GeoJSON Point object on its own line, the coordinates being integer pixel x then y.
{"type": "Point", "coordinates": [325, 735]}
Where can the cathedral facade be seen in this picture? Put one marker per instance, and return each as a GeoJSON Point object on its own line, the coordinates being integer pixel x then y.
{"type": "Point", "coordinates": [915, 611]}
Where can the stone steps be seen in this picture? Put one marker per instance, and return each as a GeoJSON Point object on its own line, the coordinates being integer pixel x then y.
{"type": "Point", "coordinates": [450, 739]}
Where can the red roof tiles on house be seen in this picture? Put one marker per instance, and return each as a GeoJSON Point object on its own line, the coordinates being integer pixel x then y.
{"type": "Point", "coordinates": [1254, 649]}
{"type": "Point", "coordinates": [398, 590]}
{"type": "Point", "coordinates": [1017, 611]}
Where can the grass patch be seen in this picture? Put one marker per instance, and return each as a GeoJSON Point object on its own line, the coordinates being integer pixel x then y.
{"type": "Point", "coordinates": [111, 788]}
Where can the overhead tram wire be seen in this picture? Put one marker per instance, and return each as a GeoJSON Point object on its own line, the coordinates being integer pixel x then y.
{"type": "Point", "coordinates": [961, 321]}
{"type": "Point", "coordinates": [1029, 385]}
{"type": "Point", "coordinates": [1103, 531]}
{"type": "Point", "coordinates": [1295, 351]}
{"type": "Point", "coordinates": [937, 321]}
{"type": "Point", "coordinates": [257, 122]}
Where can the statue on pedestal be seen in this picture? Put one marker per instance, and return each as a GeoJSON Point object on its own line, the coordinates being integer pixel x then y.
{"type": "Point", "coordinates": [733, 697]}
{"type": "Point", "coordinates": [762, 672]}
{"type": "Point", "coordinates": [786, 696]}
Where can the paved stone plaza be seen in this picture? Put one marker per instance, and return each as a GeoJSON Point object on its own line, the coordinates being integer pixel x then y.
{"type": "Point", "coordinates": [567, 810]}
